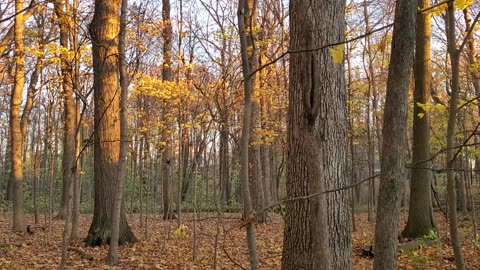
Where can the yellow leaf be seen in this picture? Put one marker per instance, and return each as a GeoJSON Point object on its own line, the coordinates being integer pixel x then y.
{"type": "Point", "coordinates": [441, 108]}
{"type": "Point", "coordinates": [337, 53]}
{"type": "Point", "coordinates": [421, 115]}
{"type": "Point", "coordinates": [462, 4]}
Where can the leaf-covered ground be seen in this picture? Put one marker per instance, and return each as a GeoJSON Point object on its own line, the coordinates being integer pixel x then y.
{"type": "Point", "coordinates": [161, 248]}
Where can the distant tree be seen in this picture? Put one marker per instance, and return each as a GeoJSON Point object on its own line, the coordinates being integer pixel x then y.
{"type": "Point", "coordinates": [168, 207]}
{"type": "Point", "coordinates": [104, 30]}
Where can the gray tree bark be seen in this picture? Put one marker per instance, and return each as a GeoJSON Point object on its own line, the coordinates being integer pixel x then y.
{"type": "Point", "coordinates": [317, 230]}
{"type": "Point", "coordinates": [394, 136]}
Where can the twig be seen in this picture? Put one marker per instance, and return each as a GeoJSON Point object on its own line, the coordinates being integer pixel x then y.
{"type": "Point", "coordinates": [319, 193]}
{"type": "Point", "coordinates": [82, 253]}
{"type": "Point", "coordinates": [317, 49]}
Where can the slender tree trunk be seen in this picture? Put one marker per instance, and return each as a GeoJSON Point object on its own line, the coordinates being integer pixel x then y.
{"type": "Point", "coordinates": [420, 212]}
{"type": "Point", "coordinates": [244, 15]}
{"type": "Point", "coordinates": [394, 132]}
{"type": "Point", "coordinates": [16, 173]}
{"type": "Point", "coordinates": [452, 117]}
{"type": "Point", "coordinates": [68, 159]}
{"type": "Point", "coordinates": [112, 257]}
{"type": "Point", "coordinates": [224, 165]}
{"type": "Point", "coordinates": [168, 210]}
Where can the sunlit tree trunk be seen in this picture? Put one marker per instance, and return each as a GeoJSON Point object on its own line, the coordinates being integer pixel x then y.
{"type": "Point", "coordinates": [16, 173]}
{"type": "Point", "coordinates": [112, 257]}
{"type": "Point", "coordinates": [420, 212]}
{"type": "Point", "coordinates": [104, 31]}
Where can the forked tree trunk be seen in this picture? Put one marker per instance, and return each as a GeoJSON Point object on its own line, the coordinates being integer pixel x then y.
{"type": "Point", "coordinates": [104, 31]}
{"type": "Point", "coordinates": [394, 132]}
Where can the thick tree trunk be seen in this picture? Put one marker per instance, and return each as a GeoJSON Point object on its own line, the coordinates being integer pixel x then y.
{"type": "Point", "coordinates": [317, 230]}
{"type": "Point", "coordinates": [394, 132]}
{"type": "Point", "coordinates": [420, 213]}
{"type": "Point", "coordinates": [16, 173]}
{"type": "Point", "coordinates": [104, 31]}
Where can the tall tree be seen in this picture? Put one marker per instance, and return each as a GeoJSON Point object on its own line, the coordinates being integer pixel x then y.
{"type": "Point", "coordinates": [112, 257]}
{"type": "Point", "coordinates": [394, 135]}
{"type": "Point", "coordinates": [16, 173]}
{"type": "Point", "coordinates": [452, 118]}
{"type": "Point", "coordinates": [104, 30]}
{"type": "Point", "coordinates": [69, 131]}
{"type": "Point", "coordinates": [420, 212]}
{"type": "Point", "coordinates": [168, 210]}
{"type": "Point", "coordinates": [317, 233]}
{"type": "Point", "coordinates": [244, 14]}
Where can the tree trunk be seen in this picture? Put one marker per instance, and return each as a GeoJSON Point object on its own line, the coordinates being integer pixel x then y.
{"type": "Point", "coordinates": [244, 15]}
{"type": "Point", "coordinates": [16, 173]}
{"type": "Point", "coordinates": [168, 210]}
{"type": "Point", "coordinates": [452, 117]}
{"type": "Point", "coordinates": [420, 213]}
{"type": "Point", "coordinates": [317, 230]}
{"type": "Point", "coordinates": [104, 31]}
{"type": "Point", "coordinates": [394, 132]}
{"type": "Point", "coordinates": [224, 168]}
{"type": "Point", "coordinates": [112, 257]}
{"type": "Point", "coordinates": [69, 132]}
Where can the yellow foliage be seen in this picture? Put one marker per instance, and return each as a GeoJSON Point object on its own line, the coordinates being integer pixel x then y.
{"type": "Point", "coordinates": [462, 4]}
{"type": "Point", "coordinates": [180, 232]}
{"type": "Point", "coordinates": [337, 53]}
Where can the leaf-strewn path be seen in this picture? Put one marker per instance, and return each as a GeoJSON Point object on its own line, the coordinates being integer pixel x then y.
{"type": "Point", "coordinates": [163, 250]}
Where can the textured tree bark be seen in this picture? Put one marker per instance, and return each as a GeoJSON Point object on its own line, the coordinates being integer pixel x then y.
{"type": "Point", "coordinates": [104, 31]}
{"type": "Point", "coordinates": [168, 210]}
{"type": "Point", "coordinates": [16, 173]}
{"type": "Point", "coordinates": [394, 136]}
{"type": "Point", "coordinates": [420, 212]}
{"type": "Point", "coordinates": [317, 230]}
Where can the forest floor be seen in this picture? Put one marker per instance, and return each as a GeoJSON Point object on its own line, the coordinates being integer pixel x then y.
{"type": "Point", "coordinates": [159, 247]}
